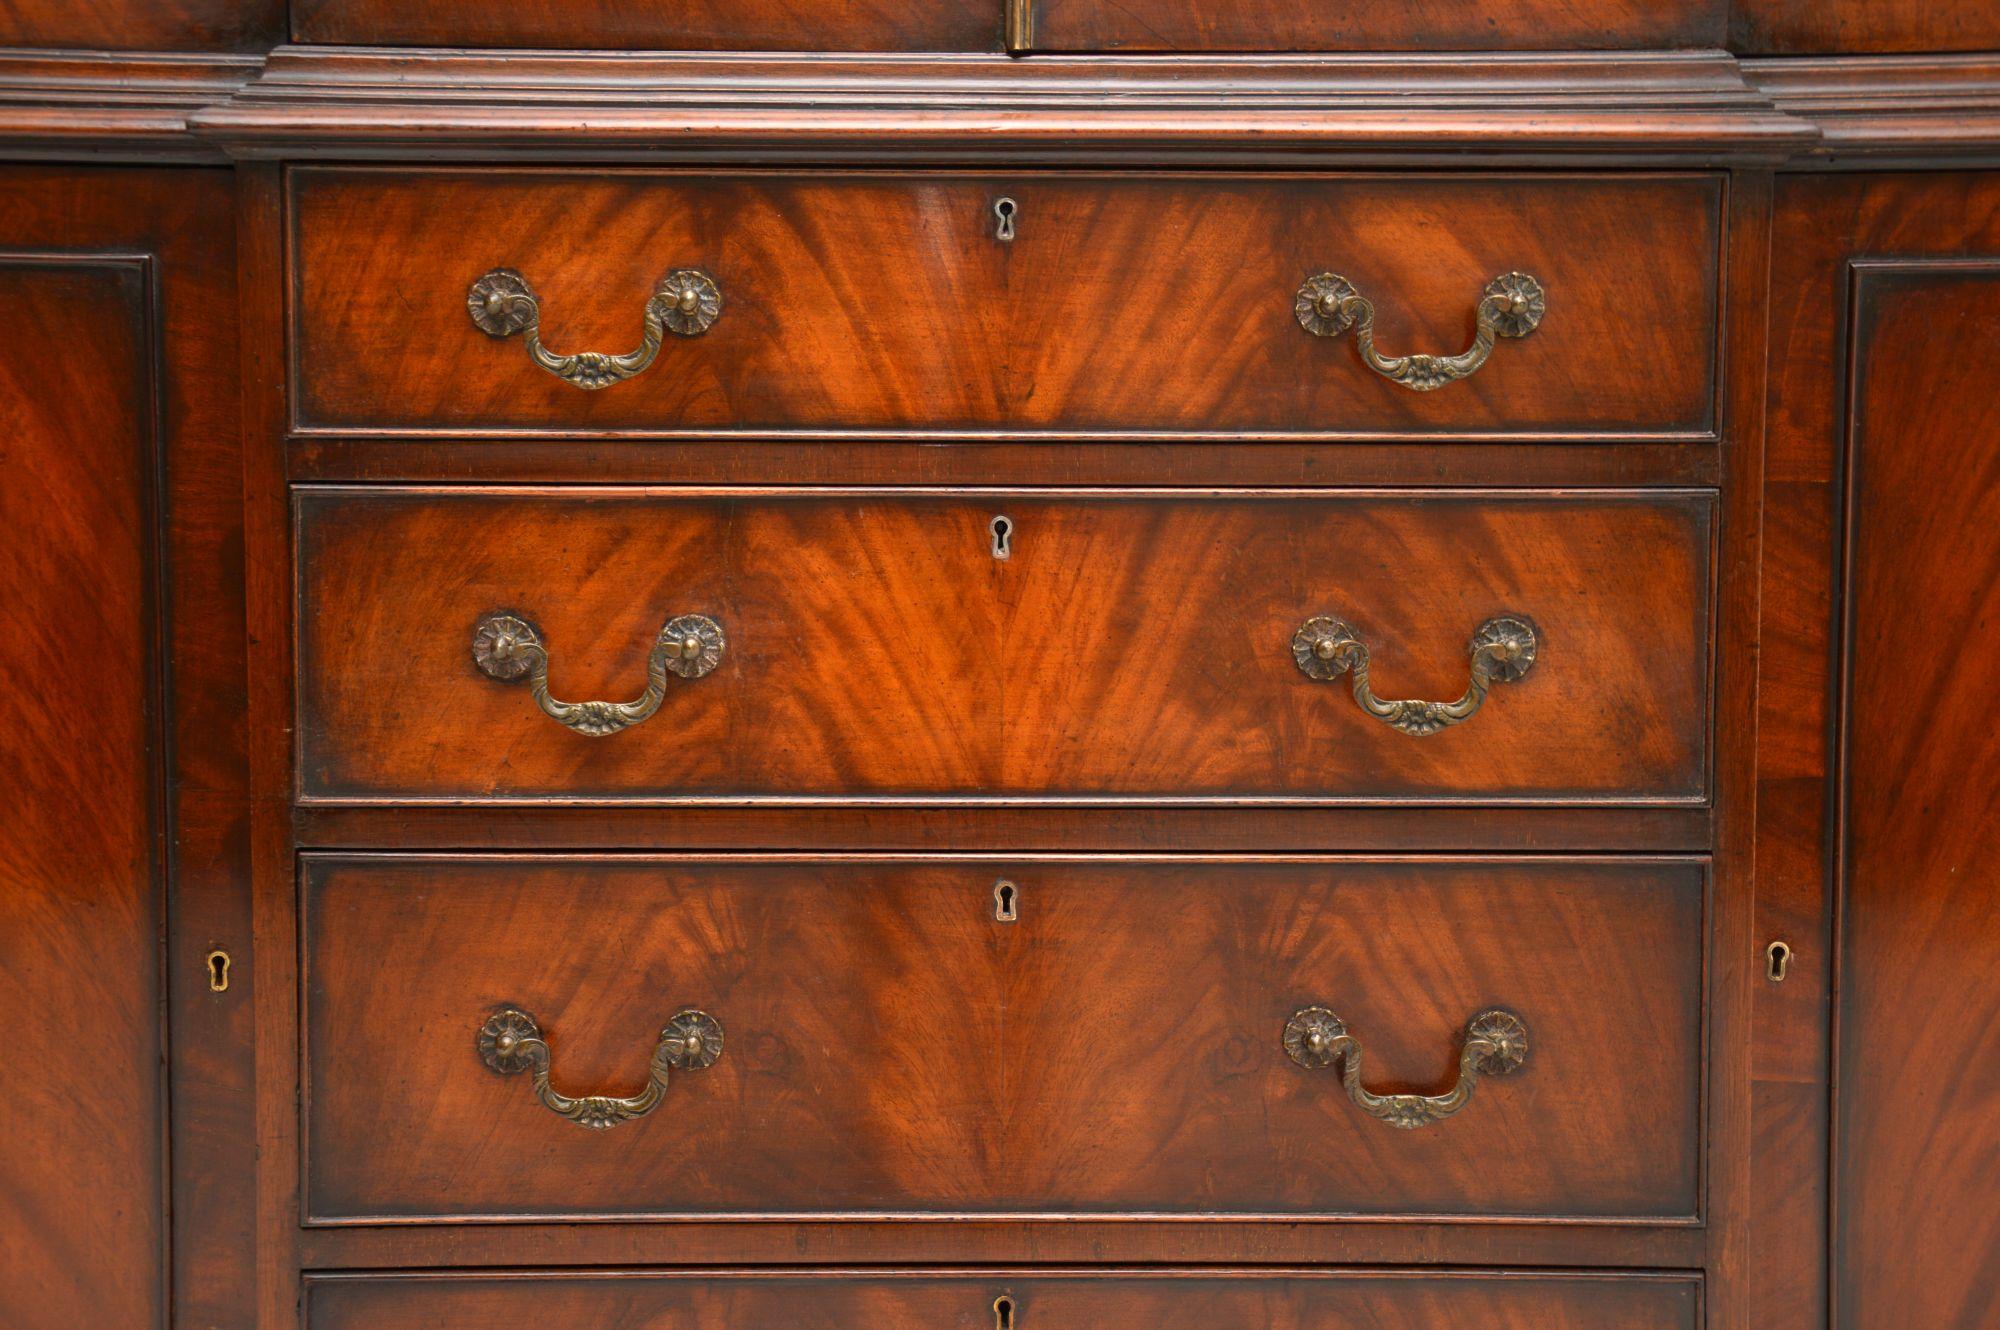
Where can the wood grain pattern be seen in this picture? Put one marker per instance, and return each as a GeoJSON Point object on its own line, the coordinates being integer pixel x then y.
{"type": "Point", "coordinates": [1417, 25]}
{"type": "Point", "coordinates": [1918, 1113]}
{"type": "Point", "coordinates": [878, 649]}
{"type": "Point", "coordinates": [882, 303]}
{"type": "Point", "coordinates": [1293, 1300]}
{"type": "Point", "coordinates": [143, 25]}
{"type": "Point", "coordinates": [83, 1121]}
{"type": "Point", "coordinates": [175, 226]}
{"type": "Point", "coordinates": [1687, 108]}
{"type": "Point", "coordinates": [1862, 27]}
{"type": "Point", "coordinates": [892, 1047]}
{"type": "Point", "coordinates": [691, 25]}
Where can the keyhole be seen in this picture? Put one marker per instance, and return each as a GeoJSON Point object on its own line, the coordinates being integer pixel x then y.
{"type": "Point", "coordinates": [1004, 209]}
{"type": "Point", "coordinates": [1779, 957]}
{"type": "Point", "coordinates": [1006, 896]}
{"type": "Point", "coordinates": [218, 971]}
{"type": "Point", "coordinates": [1002, 527]}
{"type": "Point", "coordinates": [1003, 1313]}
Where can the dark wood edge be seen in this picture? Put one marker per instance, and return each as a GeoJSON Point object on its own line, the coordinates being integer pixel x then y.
{"type": "Point", "coordinates": [1576, 109]}
{"type": "Point", "coordinates": [1004, 830]}
{"type": "Point", "coordinates": [1240, 111]}
{"type": "Point", "coordinates": [1883, 111]}
{"type": "Point", "coordinates": [1033, 1269]}
{"type": "Point", "coordinates": [115, 106]}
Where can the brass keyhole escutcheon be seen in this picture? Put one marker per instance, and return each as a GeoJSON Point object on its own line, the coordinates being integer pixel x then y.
{"type": "Point", "coordinates": [1002, 527]}
{"type": "Point", "coordinates": [1005, 211]}
{"type": "Point", "coordinates": [1777, 961]}
{"type": "Point", "coordinates": [1006, 901]}
{"type": "Point", "coordinates": [1003, 1313]}
{"type": "Point", "coordinates": [218, 963]}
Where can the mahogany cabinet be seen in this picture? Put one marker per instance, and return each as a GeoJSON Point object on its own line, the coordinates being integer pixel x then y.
{"type": "Point", "coordinates": [1036, 664]}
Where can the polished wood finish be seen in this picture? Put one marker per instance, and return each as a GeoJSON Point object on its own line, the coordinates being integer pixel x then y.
{"type": "Point", "coordinates": [1890, 110]}
{"type": "Point", "coordinates": [728, 25]}
{"type": "Point", "coordinates": [1308, 1300]}
{"type": "Point", "coordinates": [1499, 109]}
{"type": "Point", "coordinates": [83, 1123]}
{"type": "Point", "coordinates": [892, 1047]}
{"type": "Point", "coordinates": [877, 648]}
{"type": "Point", "coordinates": [65, 105]}
{"type": "Point", "coordinates": [1820, 27]}
{"type": "Point", "coordinates": [143, 25]}
{"type": "Point", "coordinates": [1920, 973]}
{"type": "Point", "coordinates": [1124, 303]}
{"type": "Point", "coordinates": [1834, 235]}
{"type": "Point", "coordinates": [121, 464]}
{"type": "Point", "coordinates": [1420, 25]}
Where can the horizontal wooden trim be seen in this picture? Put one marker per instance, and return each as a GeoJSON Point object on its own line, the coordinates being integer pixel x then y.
{"type": "Point", "coordinates": [1569, 109]}
{"type": "Point", "coordinates": [69, 105]}
{"type": "Point", "coordinates": [989, 1243]}
{"type": "Point", "coordinates": [1239, 111]}
{"type": "Point", "coordinates": [1013, 828]}
{"type": "Point", "coordinates": [1889, 110]}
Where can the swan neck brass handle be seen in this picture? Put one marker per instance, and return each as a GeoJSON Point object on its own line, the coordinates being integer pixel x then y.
{"type": "Point", "coordinates": [510, 1042]}
{"type": "Point", "coordinates": [1496, 1044]}
{"type": "Point", "coordinates": [509, 648]}
{"type": "Point", "coordinates": [686, 303]}
{"type": "Point", "coordinates": [1512, 305]}
{"type": "Point", "coordinates": [1503, 650]}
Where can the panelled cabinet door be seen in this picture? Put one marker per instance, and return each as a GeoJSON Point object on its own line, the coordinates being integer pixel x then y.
{"type": "Point", "coordinates": [119, 455]}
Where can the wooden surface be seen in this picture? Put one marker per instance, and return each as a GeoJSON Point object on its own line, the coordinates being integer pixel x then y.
{"type": "Point", "coordinates": [92, 428]}
{"type": "Point", "coordinates": [740, 25]}
{"type": "Point", "coordinates": [1046, 1301]}
{"type": "Point", "coordinates": [876, 648]}
{"type": "Point", "coordinates": [891, 1046]}
{"type": "Point", "coordinates": [1684, 107]}
{"type": "Point", "coordinates": [143, 25]}
{"type": "Point", "coordinates": [1833, 233]}
{"type": "Point", "coordinates": [1862, 27]}
{"type": "Point", "coordinates": [886, 303]}
{"type": "Point", "coordinates": [1422, 25]}
{"type": "Point", "coordinates": [1919, 1023]}
{"type": "Point", "coordinates": [83, 1122]}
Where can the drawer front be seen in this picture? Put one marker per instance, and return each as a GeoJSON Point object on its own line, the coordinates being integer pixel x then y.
{"type": "Point", "coordinates": [1410, 25]}
{"type": "Point", "coordinates": [879, 1040]}
{"type": "Point", "coordinates": [1145, 645]}
{"type": "Point", "coordinates": [686, 25]}
{"type": "Point", "coordinates": [1296, 1300]}
{"type": "Point", "coordinates": [889, 303]}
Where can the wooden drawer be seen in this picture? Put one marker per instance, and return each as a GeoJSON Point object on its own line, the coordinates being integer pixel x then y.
{"type": "Point", "coordinates": [1139, 645]}
{"type": "Point", "coordinates": [1026, 1300]}
{"type": "Point", "coordinates": [1355, 25]}
{"type": "Point", "coordinates": [887, 1044]}
{"type": "Point", "coordinates": [1151, 304]}
{"type": "Point", "coordinates": [686, 25]}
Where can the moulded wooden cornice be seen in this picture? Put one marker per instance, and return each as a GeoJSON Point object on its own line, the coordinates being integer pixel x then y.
{"type": "Point", "coordinates": [69, 105]}
{"type": "Point", "coordinates": [1207, 110]}
{"type": "Point", "coordinates": [1890, 110]}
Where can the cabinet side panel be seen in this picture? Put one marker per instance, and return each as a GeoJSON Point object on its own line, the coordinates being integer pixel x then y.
{"type": "Point", "coordinates": [1918, 1238]}
{"type": "Point", "coordinates": [81, 1124]}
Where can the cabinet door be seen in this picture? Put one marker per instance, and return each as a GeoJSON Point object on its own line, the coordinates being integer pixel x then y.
{"type": "Point", "coordinates": [120, 859]}
{"type": "Point", "coordinates": [1885, 448]}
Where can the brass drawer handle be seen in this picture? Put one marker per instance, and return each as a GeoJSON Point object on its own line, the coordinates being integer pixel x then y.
{"type": "Point", "coordinates": [685, 303]}
{"type": "Point", "coordinates": [1496, 1044]}
{"type": "Point", "coordinates": [1502, 651]}
{"type": "Point", "coordinates": [511, 1042]}
{"type": "Point", "coordinates": [1511, 306]}
{"type": "Point", "coordinates": [508, 648]}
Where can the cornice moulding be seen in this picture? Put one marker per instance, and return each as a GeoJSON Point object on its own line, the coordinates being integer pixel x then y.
{"type": "Point", "coordinates": [120, 106]}
{"type": "Point", "coordinates": [1890, 110]}
{"type": "Point", "coordinates": [1684, 107]}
